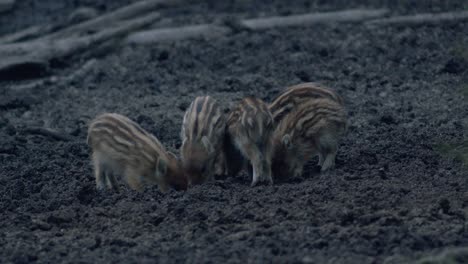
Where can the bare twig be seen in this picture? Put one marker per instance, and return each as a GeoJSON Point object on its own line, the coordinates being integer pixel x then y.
{"type": "Point", "coordinates": [81, 72]}
{"type": "Point", "coordinates": [178, 33]}
{"type": "Point", "coordinates": [31, 85]}
{"type": "Point", "coordinates": [30, 32]}
{"type": "Point", "coordinates": [47, 132]}
{"type": "Point", "coordinates": [352, 15]}
{"type": "Point", "coordinates": [419, 19]}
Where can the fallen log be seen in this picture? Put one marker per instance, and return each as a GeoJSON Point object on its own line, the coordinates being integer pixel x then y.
{"type": "Point", "coordinates": [94, 24]}
{"type": "Point", "coordinates": [34, 48]}
{"type": "Point", "coordinates": [36, 31]}
{"type": "Point", "coordinates": [31, 85]}
{"type": "Point", "coordinates": [104, 21]}
{"type": "Point", "coordinates": [79, 73]}
{"type": "Point", "coordinates": [213, 30]}
{"type": "Point", "coordinates": [421, 19]}
{"type": "Point", "coordinates": [47, 132]}
{"type": "Point", "coordinates": [32, 58]}
{"type": "Point", "coordinates": [352, 15]}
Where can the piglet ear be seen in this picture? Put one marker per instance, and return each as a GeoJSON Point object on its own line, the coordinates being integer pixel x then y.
{"type": "Point", "coordinates": [207, 144]}
{"type": "Point", "coordinates": [172, 155]}
{"type": "Point", "coordinates": [286, 140]}
{"type": "Point", "coordinates": [161, 168]}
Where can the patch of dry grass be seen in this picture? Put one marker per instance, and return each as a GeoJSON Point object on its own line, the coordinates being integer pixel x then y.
{"type": "Point", "coordinates": [448, 256]}
{"type": "Point", "coordinates": [455, 151]}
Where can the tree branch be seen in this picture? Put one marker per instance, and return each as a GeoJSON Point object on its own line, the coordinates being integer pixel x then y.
{"type": "Point", "coordinates": [420, 19]}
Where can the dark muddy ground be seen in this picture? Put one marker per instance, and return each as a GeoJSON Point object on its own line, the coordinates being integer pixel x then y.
{"type": "Point", "coordinates": [392, 197]}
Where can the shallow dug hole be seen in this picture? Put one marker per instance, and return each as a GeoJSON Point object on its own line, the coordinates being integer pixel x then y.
{"type": "Point", "coordinates": [392, 197]}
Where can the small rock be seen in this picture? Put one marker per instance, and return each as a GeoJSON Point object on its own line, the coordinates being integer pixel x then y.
{"type": "Point", "coordinates": [352, 177]}
{"type": "Point", "coordinates": [157, 220]}
{"type": "Point", "coordinates": [41, 225]}
{"type": "Point", "coordinates": [382, 174]}
{"type": "Point", "coordinates": [53, 79]}
{"type": "Point", "coordinates": [405, 190]}
{"type": "Point", "coordinates": [320, 243]}
{"type": "Point", "coordinates": [95, 244]}
{"type": "Point", "coordinates": [60, 217]}
{"type": "Point", "coordinates": [346, 218]}
{"type": "Point", "coordinates": [390, 221]}
{"type": "Point", "coordinates": [445, 205]}
{"type": "Point", "coordinates": [308, 260]}
{"type": "Point", "coordinates": [27, 114]}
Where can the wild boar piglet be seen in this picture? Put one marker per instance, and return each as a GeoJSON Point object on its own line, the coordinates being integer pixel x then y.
{"type": "Point", "coordinates": [312, 128]}
{"type": "Point", "coordinates": [249, 140]}
{"type": "Point", "coordinates": [121, 148]}
{"type": "Point", "coordinates": [295, 95]}
{"type": "Point", "coordinates": [203, 130]}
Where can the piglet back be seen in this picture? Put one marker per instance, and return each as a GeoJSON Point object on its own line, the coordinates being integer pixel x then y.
{"type": "Point", "coordinates": [295, 95]}
{"type": "Point", "coordinates": [204, 117]}
{"type": "Point", "coordinates": [127, 139]}
{"type": "Point", "coordinates": [253, 115]}
{"type": "Point", "coordinates": [313, 116]}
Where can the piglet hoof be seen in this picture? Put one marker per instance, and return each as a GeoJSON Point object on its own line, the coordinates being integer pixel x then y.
{"type": "Point", "coordinates": [254, 183]}
{"type": "Point", "coordinates": [101, 188]}
{"type": "Point", "coordinates": [257, 182]}
{"type": "Point", "coordinates": [326, 167]}
{"type": "Point", "coordinates": [270, 181]}
{"type": "Point", "coordinates": [328, 164]}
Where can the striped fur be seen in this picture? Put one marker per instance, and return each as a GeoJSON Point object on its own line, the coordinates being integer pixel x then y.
{"type": "Point", "coordinates": [295, 95]}
{"type": "Point", "coordinates": [313, 128]}
{"type": "Point", "coordinates": [122, 148]}
{"type": "Point", "coordinates": [250, 130]}
{"type": "Point", "coordinates": [203, 130]}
